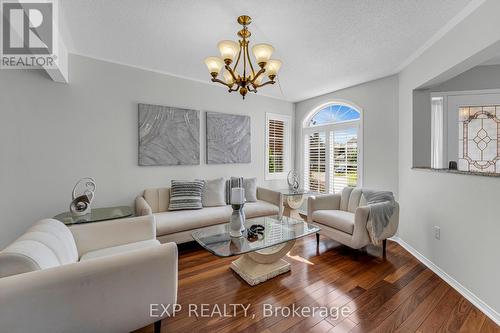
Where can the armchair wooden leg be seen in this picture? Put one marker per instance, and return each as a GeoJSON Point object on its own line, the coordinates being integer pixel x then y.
{"type": "Point", "coordinates": [157, 326]}
{"type": "Point", "coordinates": [384, 247]}
{"type": "Point", "coordinates": [317, 239]}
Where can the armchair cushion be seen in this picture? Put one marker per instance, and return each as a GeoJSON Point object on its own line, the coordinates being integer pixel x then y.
{"type": "Point", "coordinates": [120, 249]}
{"type": "Point", "coordinates": [337, 219]}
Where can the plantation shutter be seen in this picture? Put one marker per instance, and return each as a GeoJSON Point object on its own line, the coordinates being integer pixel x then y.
{"type": "Point", "coordinates": [276, 139]}
{"type": "Point", "coordinates": [315, 166]}
{"type": "Point", "coordinates": [343, 158]}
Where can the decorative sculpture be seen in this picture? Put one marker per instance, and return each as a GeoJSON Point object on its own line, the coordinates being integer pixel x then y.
{"type": "Point", "coordinates": [80, 204]}
{"type": "Point", "coordinates": [293, 180]}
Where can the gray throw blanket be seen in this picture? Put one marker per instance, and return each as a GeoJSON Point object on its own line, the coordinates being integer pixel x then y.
{"type": "Point", "coordinates": [382, 206]}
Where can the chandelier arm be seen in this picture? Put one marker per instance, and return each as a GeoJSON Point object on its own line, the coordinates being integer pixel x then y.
{"type": "Point", "coordinates": [265, 84]}
{"type": "Point", "coordinates": [250, 61]}
{"type": "Point", "coordinates": [245, 47]}
{"type": "Point", "coordinates": [262, 70]}
{"type": "Point", "coordinates": [221, 82]}
{"type": "Point", "coordinates": [252, 90]}
{"type": "Point", "coordinates": [231, 89]}
{"type": "Point", "coordinates": [237, 59]}
{"type": "Point", "coordinates": [228, 68]}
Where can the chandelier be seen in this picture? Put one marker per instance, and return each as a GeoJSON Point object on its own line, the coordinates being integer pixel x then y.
{"type": "Point", "coordinates": [243, 78]}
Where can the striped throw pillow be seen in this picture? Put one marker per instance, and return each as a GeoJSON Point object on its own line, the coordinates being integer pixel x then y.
{"type": "Point", "coordinates": [232, 183]}
{"type": "Point", "coordinates": [186, 195]}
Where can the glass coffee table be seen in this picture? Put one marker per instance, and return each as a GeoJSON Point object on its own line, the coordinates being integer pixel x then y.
{"type": "Point", "coordinates": [261, 259]}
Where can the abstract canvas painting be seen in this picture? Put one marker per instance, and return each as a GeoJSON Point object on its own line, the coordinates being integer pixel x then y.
{"type": "Point", "coordinates": [228, 138]}
{"type": "Point", "coordinates": [168, 135]}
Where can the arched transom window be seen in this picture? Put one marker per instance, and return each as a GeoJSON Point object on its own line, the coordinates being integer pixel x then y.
{"type": "Point", "coordinates": [332, 148]}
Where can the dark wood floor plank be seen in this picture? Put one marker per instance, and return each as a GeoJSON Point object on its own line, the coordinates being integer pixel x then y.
{"type": "Point", "coordinates": [458, 316]}
{"type": "Point", "coordinates": [389, 316]}
{"type": "Point", "coordinates": [489, 326]}
{"type": "Point", "coordinates": [441, 313]}
{"type": "Point", "coordinates": [474, 320]}
{"type": "Point", "coordinates": [397, 294]}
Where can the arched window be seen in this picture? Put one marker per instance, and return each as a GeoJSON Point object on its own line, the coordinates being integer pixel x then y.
{"type": "Point", "coordinates": [332, 147]}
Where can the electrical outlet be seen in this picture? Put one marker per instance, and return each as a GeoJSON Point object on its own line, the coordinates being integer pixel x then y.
{"type": "Point", "coordinates": [437, 232]}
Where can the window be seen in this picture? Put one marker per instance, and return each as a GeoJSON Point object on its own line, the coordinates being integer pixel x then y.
{"type": "Point", "coordinates": [331, 148]}
{"type": "Point", "coordinates": [478, 138]}
{"type": "Point", "coordinates": [277, 146]}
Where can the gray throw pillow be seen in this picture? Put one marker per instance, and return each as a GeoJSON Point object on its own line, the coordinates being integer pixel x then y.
{"type": "Point", "coordinates": [250, 186]}
{"type": "Point", "coordinates": [186, 195]}
{"type": "Point", "coordinates": [214, 193]}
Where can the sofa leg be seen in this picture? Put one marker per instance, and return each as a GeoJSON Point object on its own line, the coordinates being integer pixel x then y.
{"type": "Point", "coordinates": [317, 239]}
{"type": "Point", "coordinates": [157, 325]}
{"type": "Point", "coordinates": [384, 247]}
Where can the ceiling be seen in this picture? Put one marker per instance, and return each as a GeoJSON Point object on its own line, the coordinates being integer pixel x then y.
{"type": "Point", "coordinates": [325, 45]}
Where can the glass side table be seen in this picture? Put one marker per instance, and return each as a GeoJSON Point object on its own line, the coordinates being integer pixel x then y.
{"type": "Point", "coordinates": [96, 215]}
{"type": "Point", "coordinates": [293, 200]}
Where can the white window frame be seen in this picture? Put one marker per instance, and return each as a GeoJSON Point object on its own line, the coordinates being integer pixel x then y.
{"type": "Point", "coordinates": [308, 129]}
{"type": "Point", "coordinates": [287, 151]}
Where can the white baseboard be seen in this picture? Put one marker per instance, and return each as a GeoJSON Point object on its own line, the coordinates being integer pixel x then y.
{"type": "Point", "coordinates": [471, 297]}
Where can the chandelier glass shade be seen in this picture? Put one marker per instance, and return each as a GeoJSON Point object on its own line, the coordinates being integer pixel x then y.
{"type": "Point", "coordinates": [242, 76]}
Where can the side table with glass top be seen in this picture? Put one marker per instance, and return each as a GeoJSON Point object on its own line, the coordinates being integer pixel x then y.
{"type": "Point", "coordinates": [96, 215]}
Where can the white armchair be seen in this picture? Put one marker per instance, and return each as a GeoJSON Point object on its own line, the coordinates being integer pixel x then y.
{"type": "Point", "coordinates": [96, 277]}
{"type": "Point", "coordinates": [343, 218]}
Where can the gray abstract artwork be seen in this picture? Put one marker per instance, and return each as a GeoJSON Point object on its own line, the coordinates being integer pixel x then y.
{"type": "Point", "coordinates": [168, 136]}
{"type": "Point", "coordinates": [228, 138]}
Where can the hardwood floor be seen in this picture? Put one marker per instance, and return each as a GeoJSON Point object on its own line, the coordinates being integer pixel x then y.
{"type": "Point", "coordinates": [396, 295]}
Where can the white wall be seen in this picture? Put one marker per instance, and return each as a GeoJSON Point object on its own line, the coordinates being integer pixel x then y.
{"type": "Point", "coordinates": [53, 134]}
{"type": "Point", "coordinates": [477, 78]}
{"type": "Point", "coordinates": [465, 207]}
{"type": "Point", "coordinates": [378, 100]}
{"type": "Point", "coordinates": [422, 125]}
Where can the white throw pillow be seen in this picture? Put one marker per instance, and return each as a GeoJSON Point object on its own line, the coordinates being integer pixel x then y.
{"type": "Point", "coordinates": [214, 193]}
{"type": "Point", "coordinates": [250, 186]}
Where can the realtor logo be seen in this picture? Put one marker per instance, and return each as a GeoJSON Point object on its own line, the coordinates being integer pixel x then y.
{"type": "Point", "coordinates": [27, 34]}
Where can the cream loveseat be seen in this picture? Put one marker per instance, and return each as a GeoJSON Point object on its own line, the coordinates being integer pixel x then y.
{"type": "Point", "coordinates": [95, 277]}
{"type": "Point", "coordinates": [343, 218]}
{"type": "Point", "coordinates": [177, 226]}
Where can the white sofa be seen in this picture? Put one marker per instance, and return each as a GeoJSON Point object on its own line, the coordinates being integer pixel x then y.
{"type": "Point", "coordinates": [95, 277]}
{"type": "Point", "coordinates": [177, 226]}
{"type": "Point", "coordinates": [343, 218]}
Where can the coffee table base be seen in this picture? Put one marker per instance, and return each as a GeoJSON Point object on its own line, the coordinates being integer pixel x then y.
{"type": "Point", "coordinates": [259, 266]}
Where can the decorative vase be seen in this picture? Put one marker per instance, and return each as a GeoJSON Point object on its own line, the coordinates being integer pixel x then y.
{"type": "Point", "coordinates": [236, 224]}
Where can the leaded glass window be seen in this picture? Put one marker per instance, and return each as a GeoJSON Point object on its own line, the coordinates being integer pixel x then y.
{"type": "Point", "coordinates": [479, 139]}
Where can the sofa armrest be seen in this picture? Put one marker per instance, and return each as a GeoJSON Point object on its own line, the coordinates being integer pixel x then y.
{"type": "Point", "coordinates": [274, 197]}
{"type": "Point", "coordinates": [142, 207]}
{"type": "Point", "coordinates": [100, 235]}
{"type": "Point", "coordinates": [322, 202]}
{"type": "Point", "coordinates": [108, 294]}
